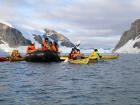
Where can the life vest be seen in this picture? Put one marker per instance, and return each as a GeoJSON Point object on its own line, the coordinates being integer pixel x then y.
{"type": "Point", "coordinates": [54, 47]}
{"type": "Point", "coordinates": [70, 56]}
{"type": "Point", "coordinates": [94, 55]}
{"type": "Point", "coordinates": [75, 55]}
{"type": "Point", "coordinates": [45, 45]}
{"type": "Point", "coordinates": [30, 49]}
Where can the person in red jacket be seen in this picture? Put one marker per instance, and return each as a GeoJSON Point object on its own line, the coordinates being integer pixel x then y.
{"type": "Point", "coordinates": [30, 49]}
{"type": "Point", "coordinates": [45, 44]}
{"type": "Point", "coordinates": [54, 46]}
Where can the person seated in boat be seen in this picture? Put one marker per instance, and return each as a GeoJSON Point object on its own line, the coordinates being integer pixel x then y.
{"type": "Point", "coordinates": [100, 56]}
{"type": "Point", "coordinates": [79, 55]}
{"type": "Point", "coordinates": [46, 45]}
{"type": "Point", "coordinates": [76, 54]}
{"type": "Point", "coordinates": [95, 55]}
{"type": "Point", "coordinates": [54, 46]}
{"type": "Point", "coordinates": [15, 54]}
{"type": "Point", "coordinates": [72, 55]}
{"type": "Point", "coordinates": [31, 48]}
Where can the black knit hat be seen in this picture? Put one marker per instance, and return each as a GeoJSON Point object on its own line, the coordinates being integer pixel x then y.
{"type": "Point", "coordinates": [95, 50]}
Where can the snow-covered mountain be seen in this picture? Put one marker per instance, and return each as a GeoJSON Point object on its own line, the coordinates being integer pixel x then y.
{"type": "Point", "coordinates": [58, 37]}
{"type": "Point", "coordinates": [130, 40]}
{"type": "Point", "coordinates": [12, 36]}
{"type": "Point", "coordinates": [18, 37]}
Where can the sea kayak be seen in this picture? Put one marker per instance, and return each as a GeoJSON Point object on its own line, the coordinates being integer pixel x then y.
{"type": "Point", "coordinates": [2, 59]}
{"type": "Point", "coordinates": [16, 59]}
{"type": "Point", "coordinates": [79, 61]}
{"type": "Point", "coordinates": [43, 56]}
{"type": "Point", "coordinates": [110, 57]}
{"type": "Point", "coordinates": [104, 57]}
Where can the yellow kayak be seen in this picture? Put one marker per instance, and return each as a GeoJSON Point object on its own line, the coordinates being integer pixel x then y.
{"type": "Point", "coordinates": [79, 61]}
{"type": "Point", "coordinates": [104, 57]}
{"type": "Point", "coordinates": [110, 57]}
{"type": "Point", "coordinates": [16, 59]}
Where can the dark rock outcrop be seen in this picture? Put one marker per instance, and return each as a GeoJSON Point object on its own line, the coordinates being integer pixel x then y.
{"type": "Point", "coordinates": [12, 36]}
{"type": "Point", "coordinates": [132, 33]}
{"type": "Point", "coordinates": [137, 44]}
{"type": "Point", "coordinates": [58, 37]}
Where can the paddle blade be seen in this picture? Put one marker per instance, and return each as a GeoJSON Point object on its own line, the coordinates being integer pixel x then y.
{"type": "Point", "coordinates": [66, 60]}
{"type": "Point", "coordinates": [78, 43]}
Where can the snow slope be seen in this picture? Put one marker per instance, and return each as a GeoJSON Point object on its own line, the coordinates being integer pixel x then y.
{"type": "Point", "coordinates": [128, 47]}
{"type": "Point", "coordinates": [5, 49]}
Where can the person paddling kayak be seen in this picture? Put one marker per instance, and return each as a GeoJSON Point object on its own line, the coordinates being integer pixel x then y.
{"type": "Point", "coordinates": [15, 54]}
{"type": "Point", "coordinates": [76, 54]}
{"type": "Point", "coordinates": [95, 55]}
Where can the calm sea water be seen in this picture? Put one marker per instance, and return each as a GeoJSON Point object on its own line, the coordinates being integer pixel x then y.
{"type": "Point", "coordinates": [114, 82]}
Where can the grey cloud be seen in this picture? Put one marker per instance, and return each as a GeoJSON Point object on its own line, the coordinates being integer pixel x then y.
{"type": "Point", "coordinates": [90, 16]}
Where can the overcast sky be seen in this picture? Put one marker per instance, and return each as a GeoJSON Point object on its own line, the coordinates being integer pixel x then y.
{"type": "Point", "coordinates": [97, 23]}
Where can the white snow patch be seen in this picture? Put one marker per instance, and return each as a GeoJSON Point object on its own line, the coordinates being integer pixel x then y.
{"type": "Point", "coordinates": [6, 23]}
{"type": "Point", "coordinates": [5, 48]}
{"type": "Point", "coordinates": [2, 53]}
{"type": "Point", "coordinates": [128, 47]}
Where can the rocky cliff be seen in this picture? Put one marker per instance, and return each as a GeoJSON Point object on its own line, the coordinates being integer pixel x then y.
{"type": "Point", "coordinates": [12, 36]}
{"type": "Point", "coordinates": [64, 41]}
{"type": "Point", "coordinates": [130, 37]}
